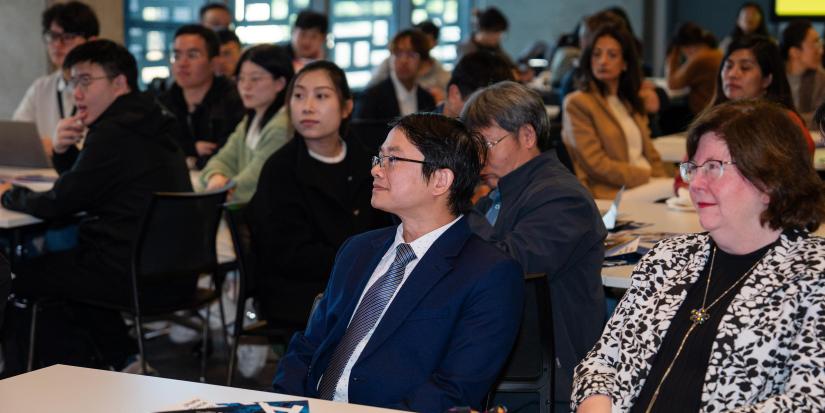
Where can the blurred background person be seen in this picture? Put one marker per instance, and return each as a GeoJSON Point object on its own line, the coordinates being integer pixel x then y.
{"type": "Point", "coordinates": [605, 124]}
{"type": "Point", "coordinates": [65, 26]}
{"type": "Point", "coordinates": [400, 94]}
{"type": "Point", "coordinates": [215, 16]}
{"type": "Point", "coordinates": [801, 47]}
{"type": "Point", "coordinates": [309, 38]}
{"type": "Point", "coordinates": [431, 74]}
{"type": "Point", "coordinates": [490, 28]}
{"type": "Point", "coordinates": [207, 107]}
{"type": "Point", "coordinates": [750, 20]}
{"type": "Point", "coordinates": [728, 319]}
{"type": "Point", "coordinates": [474, 71]}
{"type": "Point", "coordinates": [263, 75]}
{"type": "Point", "coordinates": [692, 62]}
{"type": "Point", "coordinates": [229, 53]}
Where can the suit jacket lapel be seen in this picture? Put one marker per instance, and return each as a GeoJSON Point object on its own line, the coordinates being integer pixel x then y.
{"type": "Point", "coordinates": [364, 265]}
{"type": "Point", "coordinates": [435, 264]}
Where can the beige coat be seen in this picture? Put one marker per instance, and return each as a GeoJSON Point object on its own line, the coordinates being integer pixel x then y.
{"type": "Point", "coordinates": [598, 146]}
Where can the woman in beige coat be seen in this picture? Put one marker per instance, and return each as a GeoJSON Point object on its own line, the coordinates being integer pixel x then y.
{"type": "Point", "coordinates": [605, 124]}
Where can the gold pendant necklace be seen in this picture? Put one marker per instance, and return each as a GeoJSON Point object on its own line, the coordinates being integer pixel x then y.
{"type": "Point", "coordinates": [698, 317]}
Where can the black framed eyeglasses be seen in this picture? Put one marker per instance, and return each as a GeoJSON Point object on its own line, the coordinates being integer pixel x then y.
{"type": "Point", "coordinates": [50, 36]}
{"type": "Point", "coordinates": [713, 169]}
{"type": "Point", "coordinates": [383, 161]}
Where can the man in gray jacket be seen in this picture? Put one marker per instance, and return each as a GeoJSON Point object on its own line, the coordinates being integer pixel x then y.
{"type": "Point", "coordinates": [539, 214]}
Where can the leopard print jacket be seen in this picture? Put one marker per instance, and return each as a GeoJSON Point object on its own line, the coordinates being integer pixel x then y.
{"type": "Point", "coordinates": [769, 352]}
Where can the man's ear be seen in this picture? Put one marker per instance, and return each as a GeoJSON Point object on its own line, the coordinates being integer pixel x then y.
{"type": "Point", "coordinates": [120, 83]}
{"type": "Point", "coordinates": [441, 181]}
{"type": "Point", "coordinates": [527, 136]}
{"type": "Point", "coordinates": [454, 100]}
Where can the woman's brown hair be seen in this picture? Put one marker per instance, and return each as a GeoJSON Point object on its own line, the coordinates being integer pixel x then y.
{"type": "Point", "coordinates": [769, 151]}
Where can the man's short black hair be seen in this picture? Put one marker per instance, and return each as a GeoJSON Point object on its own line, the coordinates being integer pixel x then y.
{"type": "Point", "coordinates": [479, 69]}
{"type": "Point", "coordinates": [309, 19]}
{"type": "Point", "coordinates": [418, 41]}
{"type": "Point", "coordinates": [213, 44]}
{"type": "Point", "coordinates": [112, 57]}
{"type": "Point", "coordinates": [429, 28]}
{"type": "Point", "coordinates": [447, 144]}
{"type": "Point", "coordinates": [492, 20]}
{"type": "Point", "coordinates": [72, 17]}
{"type": "Point", "coordinates": [213, 6]}
{"type": "Point", "coordinates": [226, 36]}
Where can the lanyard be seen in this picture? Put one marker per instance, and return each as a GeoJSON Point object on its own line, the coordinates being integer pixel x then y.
{"type": "Point", "coordinates": [60, 105]}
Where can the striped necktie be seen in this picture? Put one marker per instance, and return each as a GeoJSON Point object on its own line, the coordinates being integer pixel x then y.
{"type": "Point", "coordinates": [366, 315]}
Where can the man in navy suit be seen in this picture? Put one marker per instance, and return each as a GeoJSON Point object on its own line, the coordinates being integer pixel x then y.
{"type": "Point", "coordinates": [421, 316]}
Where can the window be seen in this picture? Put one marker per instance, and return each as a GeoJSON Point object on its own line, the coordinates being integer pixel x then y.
{"type": "Point", "coordinates": [361, 31]}
{"type": "Point", "coordinates": [359, 35]}
{"type": "Point", "coordinates": [150, 29]}
{"type": "Point", "coordinates": [453, 17]}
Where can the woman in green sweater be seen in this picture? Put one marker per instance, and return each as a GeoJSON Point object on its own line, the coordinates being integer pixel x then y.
{"type": "Point", "coordinates": [263, 73]}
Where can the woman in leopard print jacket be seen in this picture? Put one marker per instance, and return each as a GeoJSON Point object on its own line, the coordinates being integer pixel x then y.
{"type": "Point", "coordinates": [732, 320]}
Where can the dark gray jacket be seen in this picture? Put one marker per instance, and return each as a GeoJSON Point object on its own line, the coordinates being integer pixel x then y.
{"type": "Point", "coordinates": [549, 223]}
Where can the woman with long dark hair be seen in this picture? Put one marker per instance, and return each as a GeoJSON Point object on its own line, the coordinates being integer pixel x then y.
{"type": "Point", "coordinates": [263, 72]}
{"type": "Point", "coordinates": [605, 123]}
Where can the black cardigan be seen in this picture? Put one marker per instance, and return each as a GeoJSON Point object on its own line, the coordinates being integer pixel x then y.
{"type": "Point", "coordinates": [298, 223]}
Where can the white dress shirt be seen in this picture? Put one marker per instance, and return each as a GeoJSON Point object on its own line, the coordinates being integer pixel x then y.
{"type": "Point", "coordinates": [420, 247]}
{"type": "Point", "coordinates": [407, 99]}
{"type": "Point", "coordinates": [40, 105]}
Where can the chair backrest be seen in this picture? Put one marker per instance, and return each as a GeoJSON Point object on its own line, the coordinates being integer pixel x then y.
{"type": "Point", "coordinates": [371, 133]}
{"type": "Point", "coordinates": [235, 215]}
{"type": "Point", "coordinates": [5, 284]}
{"type": "Point", "coordinates": [528, 377]}
{"type": "Point", "coordinates": [176, 241]}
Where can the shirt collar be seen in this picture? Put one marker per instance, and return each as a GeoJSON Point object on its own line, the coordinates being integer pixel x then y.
{"type": "Point", "coordinates": [424, 242]}
{"type": "Point", "coordinates": [401, 90]}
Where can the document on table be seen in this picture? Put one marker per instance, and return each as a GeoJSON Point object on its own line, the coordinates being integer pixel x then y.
{"type": "Point", "coordinates": [202, 406]}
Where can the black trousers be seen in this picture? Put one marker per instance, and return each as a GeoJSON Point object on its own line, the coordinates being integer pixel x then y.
{"type": "Point", "coordinates": [61, 276]}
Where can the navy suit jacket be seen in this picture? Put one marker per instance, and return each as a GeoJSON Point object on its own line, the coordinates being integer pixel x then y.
{"type": "Point", "coordinates": [441, 342]}
{"type": "Point", "coordinates": [379, 102]}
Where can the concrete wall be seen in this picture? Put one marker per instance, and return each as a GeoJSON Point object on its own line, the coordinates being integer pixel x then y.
{"type": "Point", "coordinates": [24, 57]}
{"type": "Point", "coordinates": [545, 20]}
{"type": "Point", "coordinates": [23, 51]}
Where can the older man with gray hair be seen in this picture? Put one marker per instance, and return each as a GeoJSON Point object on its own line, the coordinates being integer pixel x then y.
{"type": "Point", "coordinates": [540, 215]}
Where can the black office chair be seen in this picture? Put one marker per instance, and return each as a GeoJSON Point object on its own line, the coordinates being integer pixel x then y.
{"type": "Point", "coordinates": [370, 132]}
{"type": "Point", "coordinates": [234, 213]}
{"type": "Point", "coordinates": [174, 247]}
{"type": "Point", "coordinates": [527, 383]}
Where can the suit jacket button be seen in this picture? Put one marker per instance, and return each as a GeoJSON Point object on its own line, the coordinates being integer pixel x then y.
{"type": "Point", "coordinates": [349, 178]}
{"type": "Point", "coordinates": [355, 379]}
{"type": "Point", "coordinates": [356, 212]}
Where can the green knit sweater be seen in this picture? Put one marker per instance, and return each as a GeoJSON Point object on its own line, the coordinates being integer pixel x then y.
{"type": "Point", "coordinates": [243, 165]}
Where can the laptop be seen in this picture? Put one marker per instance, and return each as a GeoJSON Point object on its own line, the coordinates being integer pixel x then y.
{"type": "Point", "coordinates": [20, 146]}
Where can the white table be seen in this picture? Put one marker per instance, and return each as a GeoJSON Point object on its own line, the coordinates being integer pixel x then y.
{"type": "Point", "coordinates": [638, 205]}
{"type": "Point", "coordinates": [673, 148]}
{"type": "Point", "coordinates": [671, 93]}
{"type": "Point", "coordinates": [62, 388]}
{"type": "Point", "coordinates": [13, 219]}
